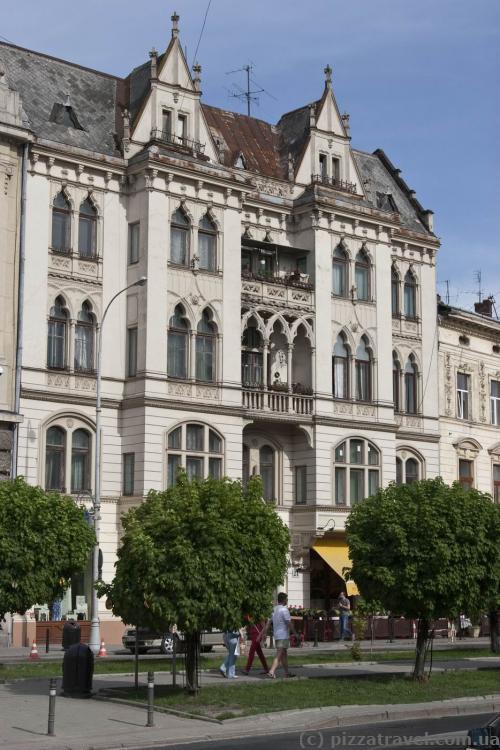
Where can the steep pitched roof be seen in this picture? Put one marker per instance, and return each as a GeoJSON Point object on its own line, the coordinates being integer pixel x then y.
{"type": "Point", "coordinates": [258, 141]}
{"type": "Point", "coordinates": [43, 81]}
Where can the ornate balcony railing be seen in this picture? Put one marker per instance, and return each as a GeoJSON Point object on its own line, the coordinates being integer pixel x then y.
{"type": "Point", "coordinates": [179, 142]}
{"type": "Point", "coordinates": [337, 184]}
{"type": "Point", "coordinates": [285, 292]}
{"type": "Point", "coordinates": [255, 399]}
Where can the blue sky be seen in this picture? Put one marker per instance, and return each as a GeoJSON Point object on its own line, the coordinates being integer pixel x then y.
{"type": "Point", "coordinates": [419, 79]}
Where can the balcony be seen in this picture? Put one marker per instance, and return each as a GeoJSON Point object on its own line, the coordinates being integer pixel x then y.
{"type": "Point", "coordinates": [286, 290]}
{"type": "Point", "coordinates": [335, 183]}
{"type": "Point", "coordinates": [278, 402]}
{"type": "Point", "coordinates": [178, 142]}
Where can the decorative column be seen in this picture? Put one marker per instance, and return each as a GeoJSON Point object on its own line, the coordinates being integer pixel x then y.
{"type": "Point", "coordinates": [192, 356]}
{"type": "Point", "coordinates": [265, 353]}
{"type": "Point", "coordinates": [313, 369]}
{"type": "Point", "coordinates": [289, 367]}
{"type": "Point", "coordinates": [71, 346]}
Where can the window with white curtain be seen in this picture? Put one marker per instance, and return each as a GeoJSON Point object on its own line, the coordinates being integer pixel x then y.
{"type": "Point", "coordinates": [196, 448]}
{"type": "Point", "coordinates": [363, 371]}
{"type": "Point", "coordinates": [410, 380]}
{"type": "Point", "coordinates": [340, 265]}
{"type": "Point", "coordinates": [87, 230]}
{"type": "Point", "coordinates": [340, 368]}
{"type": "Point", "coordinates": [55, 459]}
{"type": "Point", "coordinates": [178, 340]}
{"type": "Point", "coordinates": [68, 453]}
{"type": "Point", "coordinates": [410, 295]}
{"type": "Point", "coordinates": [179, 238]}
{"type": "Point", "coordinates": [362, 276]}
{"type": "Point", "coordinates": [57, 347]}
{"type": "Point", "coordinates": [495, 402]}
{"type": "Point", "coordinates": [84, 339]}
{"type": "Point", "coordinates": [207, 244]}
{"type": "Point", "coordinates": [80, 461]}
{"type": "Point", "coordinates": [61, 224]}
{"type": "Point", "coordinates": [206, 340]}
{"type": "Point", "coordinates": [463, 395]}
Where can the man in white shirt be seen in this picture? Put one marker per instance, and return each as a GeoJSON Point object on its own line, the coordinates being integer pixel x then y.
{"type": "Point", "coordinates": [282, 627]}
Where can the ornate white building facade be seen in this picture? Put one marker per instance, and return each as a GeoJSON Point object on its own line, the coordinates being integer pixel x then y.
{"type": "Point", "coordinates": [288, 323]}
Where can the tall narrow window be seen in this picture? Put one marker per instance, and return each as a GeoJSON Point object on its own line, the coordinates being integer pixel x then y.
{"type": "Point", "coordinates": [84, 339]}
{"type": "Point", "coordinates": [396, 382]}
{"type": "Point", "coordinates": [207, 244]}
{"type": "Point", "coordinates": [340, 368]}
{"type": "Point", "coordinates": [80, 461]}
{"type": "Point", "coordinates": [181, 128]}
{"type": "Point", "coordinates": [266, 460]}
{"type": "Point", "coordinates": [178, 335]}
{"type": "Point", "coordinates": [410, 295]}
{"type": "Point", "coordinates": [301, 485]}
{"type": "Point", "coordinates": [363, 372]}
{"type": "Point", "coordinates": [335, 169]}
{"type": "Point", "coordinates": [57, 334]}
{"type": "Point", "coordinates": [128, 473]}
{"type": "Point", "coordinates": [463, 398]}
{"type": "Point", "coordinates": [198, 449]}
{"type": "Point", "coordinates": [495, 402]}
{"type": "Point", "coordinates": [206, 348]}
{"type": "Point", "coordinates": [179, 238]}
{"type": "Point", "coordinates": [399, 471]}
{"type": "Point", "coordinates": [339, 272]}
{"type": "Point", "coordinates": [394, 292]}
{"type": "Point", "coordinates": [166, 124]}
{"type": "Point", "coordinates": [411, 469]}
{"type": "Point", "coordinates": [496, 483]}
{"type": "Point", "coordinates": [362, 276]}
{"type": "Point", "coordinates": [55, 459]}
{"type": "Point", "coordinates": [134, 231]}
{"type": "Point", "coordinates": [131, 352]}
{"type": "Point", "coordinates": [411, 386]}
{"type": "Point", "coordinates": [87, 230]}
{"type": "Point", "coordinates": [252, 374]}
{"type": "Point", "coordinates": [323, 167]}
{"type": "Point", "coordinates": [356, 471]}
{"type": "Point", "coordinates": [61, 224]}
{"type": "Point", "coordinates": [466, 473]}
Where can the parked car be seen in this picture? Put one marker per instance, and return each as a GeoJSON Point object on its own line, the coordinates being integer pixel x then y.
{"type": "Point", "coordinates": [486, 737]}
{"type": "Point", "coordinates": [164, 642]}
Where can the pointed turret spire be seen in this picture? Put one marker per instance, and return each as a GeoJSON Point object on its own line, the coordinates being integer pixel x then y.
{"type": "Point", "coordinates": [328, 76]}
{"type": "Point", "coordinates": [175, 24]}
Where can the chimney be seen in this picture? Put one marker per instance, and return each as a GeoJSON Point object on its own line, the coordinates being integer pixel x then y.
{"type": "Point", "coordinates": [175, 24]}
{"type": "Point", "coordinates": [485, 307]}
{"type": "Point", "coordinates": [154, 63]}
{"type": "Point", "coordinates": [427, 218]}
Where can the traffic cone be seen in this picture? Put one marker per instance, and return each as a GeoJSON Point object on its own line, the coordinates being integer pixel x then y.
{"type": "Point", "coordinates": [102, 650]}
{"type": "Point", "coordinates": [34, 652]}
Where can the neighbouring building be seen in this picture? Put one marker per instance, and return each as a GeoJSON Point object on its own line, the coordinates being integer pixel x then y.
{"type": "Point", "coordinates": [14, 132]}
{"type": "Point", "coordinates": [287, 327]}
{"type": "Point", "coordinates": [469, 383]}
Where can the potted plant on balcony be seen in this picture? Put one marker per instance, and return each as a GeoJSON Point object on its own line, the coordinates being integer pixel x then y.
{"type": "Point", "coordinates": [301, 389]}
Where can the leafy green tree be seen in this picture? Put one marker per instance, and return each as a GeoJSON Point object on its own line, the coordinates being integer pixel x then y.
{"type": "Point", "coordinates": [44, 540]}
{"type": "Point", "coordinates": [426, 550]}
{"type": "Point", "coordinates": [199, 555]}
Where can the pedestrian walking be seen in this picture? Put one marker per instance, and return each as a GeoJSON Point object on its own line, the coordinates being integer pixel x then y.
{"type": "Point", "coordinates": [254, 633]}
{"type": "Point", "coordinates": [282, 627]}
{"type": "Point", "coordinates": [232, 639]}
{"type": "Point", "coordinates": [344, 606]}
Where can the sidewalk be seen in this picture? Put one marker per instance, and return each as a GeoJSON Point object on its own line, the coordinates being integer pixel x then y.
{"type": "Point", "coordinates": [83, 724]}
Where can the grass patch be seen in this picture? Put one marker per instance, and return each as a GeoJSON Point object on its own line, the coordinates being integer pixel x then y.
{"type": "Point", "coordinates": [281, 695]}
{"type": "Point", "coordinates": [106, 666]}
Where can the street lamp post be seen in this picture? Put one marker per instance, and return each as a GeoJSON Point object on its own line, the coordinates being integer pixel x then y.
{"type": "Point", "coordinates": [95, 632]}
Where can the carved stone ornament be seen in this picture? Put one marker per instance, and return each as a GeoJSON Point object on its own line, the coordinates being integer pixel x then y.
{"type": "Point", "coordinates": [273, 188]}
{"type": "Point", "coordinates": [482, 393]}
{"type": "Point", "coordinates": [448, 389]}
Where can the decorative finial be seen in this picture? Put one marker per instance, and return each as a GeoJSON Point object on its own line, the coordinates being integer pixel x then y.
{"type": "Point", "coordinates": [312, 115]}
{"type": "Point", "coordinates": [175, 23]}
{"type": "Point", "coordinates": [197, 76]}
{"type": "Point", "coordinates": [328, 75]}
{"type": "Point", "coordinates": [154, 61]}
{"type": "Point", "coordinates": [345, 122]}
{"type": "Point", "coordinates": [67, 101]}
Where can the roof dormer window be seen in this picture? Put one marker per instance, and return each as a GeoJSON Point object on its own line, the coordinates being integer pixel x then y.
{"type": "Point", "coordinates": [386, 202]}
{"type": "Point", "coordinates": [240, 162]}
{"type": "Point", "coordinates": [64, 114]}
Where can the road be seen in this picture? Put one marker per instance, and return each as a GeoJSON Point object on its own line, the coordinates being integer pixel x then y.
{"type": "Point", "coordinates": [411, 734]}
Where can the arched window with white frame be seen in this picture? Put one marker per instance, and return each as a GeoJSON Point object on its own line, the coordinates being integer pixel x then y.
{"type": "Point", "coordinates": [207, 244]}
{"type": "Point", "coordinates": [179, 238]}
{"type": "Point", "coordinates": [198, 449]}
{"type": "Point", "coordinates": [87, 230]}
{"type": "Point", "coordinates": [61, 224]}
{"type": "Point", "coordinates": [85, 339]}
{"type": "Point", "coordinates": [362, 276]}
{"type": "Point", "coordinates": [206, 348]}
{"type": "Point", "coordinates": [357, 466]}
{"type": "Point", "coordinates": [411, 382]}
{"type": "Point", "coordinates": [178, 344]}
{"type": "Point", "coordinates": [57, 336]}
{"type": "Point", "coordinates": [409, 467]}
{"type": "Point", "coordinates": [410, 295]}
{"type": "Point", "coordinates": [363, 368]}
{"type": "Point", "coordinates": [395, 307]}
{"type": "Point", "coordinates": [340, 272]}
{"type": "Point", "coordinates": [396, 382]}
{"type": "Point", "coordinates": [80, 461]}
{"type": "Point", "coordinates": [68, 456]}
{"type": "Point", "coordinates": [55, 459]}
{"type": "Point", "coordinates": [341, 368]}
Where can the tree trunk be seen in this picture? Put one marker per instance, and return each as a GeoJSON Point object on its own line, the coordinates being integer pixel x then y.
{"type": "Point", "coordinates": [421, 649]}
{"type": "Point", "coordinates": [192, 645]}
{"type": "Point", "coordinates": [494, 618]}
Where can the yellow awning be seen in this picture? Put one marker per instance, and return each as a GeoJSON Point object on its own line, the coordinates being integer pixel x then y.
{"type": "Point", "coordinates": [336, 554]}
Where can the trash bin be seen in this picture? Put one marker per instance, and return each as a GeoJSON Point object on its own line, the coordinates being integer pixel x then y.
{"type": "Point", "coordinates": [71, 634]}
{"type": "Point", "coordinates": [78, 670]}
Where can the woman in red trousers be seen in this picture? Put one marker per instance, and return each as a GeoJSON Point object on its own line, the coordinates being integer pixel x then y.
{"type": "Point", "coordinates": [254, 631]}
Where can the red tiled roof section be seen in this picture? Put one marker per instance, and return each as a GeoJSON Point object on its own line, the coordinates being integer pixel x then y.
{"type": "Point", "coordinates": [258, 141]}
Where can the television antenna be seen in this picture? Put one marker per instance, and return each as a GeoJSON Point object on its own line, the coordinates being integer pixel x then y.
{"type": "Point", "coordinates": [477, 277]}
{"type": "Point", "coordinates": [247, 94]}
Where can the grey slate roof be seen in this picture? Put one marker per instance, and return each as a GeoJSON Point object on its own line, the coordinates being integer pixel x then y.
{"type": "Point", "coordinates": [44, 81]}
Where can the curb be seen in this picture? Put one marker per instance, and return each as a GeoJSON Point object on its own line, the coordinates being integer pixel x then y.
{"type": "Point", "coordinates": [102, 696]}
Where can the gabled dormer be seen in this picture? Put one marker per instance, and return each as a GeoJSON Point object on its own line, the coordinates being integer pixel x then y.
{"type": "Point", "coordinates": [165, 103]}
{"type": "Point", "coordinates": [320, 144]}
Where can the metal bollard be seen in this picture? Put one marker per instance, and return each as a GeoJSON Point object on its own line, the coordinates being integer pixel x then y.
{"type": "Point", "coordinates": [151, 699]}
{"type": "Point", "coordinates": [52, 706]}
{"type": "Point", "coordinates": [315, 644]}
{"type": "Point", "coordinates": [47, 641]}
{"type": "Point", "coordinates": [174, 663]}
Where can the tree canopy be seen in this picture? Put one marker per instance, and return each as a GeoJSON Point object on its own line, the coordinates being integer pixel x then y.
{"type": "Point", "coordinates": [200, 555]}
{"type": "Point", "coordinates": [44, 540]}
{"type": "Point", "coordinates": [426, 550]}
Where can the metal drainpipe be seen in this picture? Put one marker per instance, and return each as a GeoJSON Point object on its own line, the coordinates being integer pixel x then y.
{"type": "Point", "coordinates": [20, 307]}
